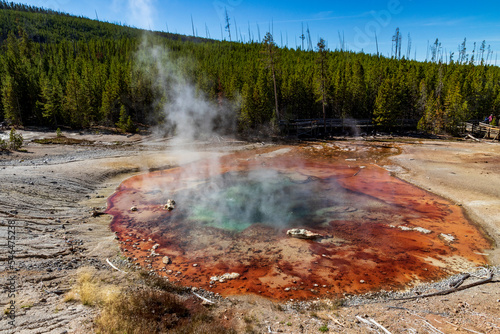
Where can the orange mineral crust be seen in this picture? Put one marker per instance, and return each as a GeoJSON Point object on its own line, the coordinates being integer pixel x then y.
{"type": "Point", "coordinates": [227, 231]}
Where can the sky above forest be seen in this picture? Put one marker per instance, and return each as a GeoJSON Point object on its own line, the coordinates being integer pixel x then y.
{"type": "Point", "coordinates": [354, 25]}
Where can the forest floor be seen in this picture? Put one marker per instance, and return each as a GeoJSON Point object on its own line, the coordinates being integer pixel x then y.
{"type": "Point", "coordinates": [49, 191]}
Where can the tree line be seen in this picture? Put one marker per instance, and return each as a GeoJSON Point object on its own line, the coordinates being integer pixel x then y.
{"type": "Point", "coordinates": [83, 73]}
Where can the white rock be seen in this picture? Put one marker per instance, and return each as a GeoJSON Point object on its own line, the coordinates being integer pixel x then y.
{"type": "Point", "coordinates": [447, 237]}
{"type": "Point", "coordinates": [170, 205]}
{"type": "Point", "coordinates": [224, 277]}
{"type": "Point", "coordinates": [422, 230]}
{"type": "Point", "coordinates": [301, 233]}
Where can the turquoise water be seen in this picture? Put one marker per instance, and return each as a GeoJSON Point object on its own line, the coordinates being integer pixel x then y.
{"type": "Point", "coordinates": [234, 201]}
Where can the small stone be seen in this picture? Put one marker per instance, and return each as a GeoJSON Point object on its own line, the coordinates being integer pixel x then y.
{"type": "Point", "coordinates": [165, 260]}
{"type": "Point", "coordinates": [195, 264]}
{"type": "Point", "coordinates": [362, 281]}
{"type": "Point", "coordinates": [134, 208]}
{"type": "Point", "coordinates": [287, 289]}
{"type": "Point", "coordinates": [301, 233]}
{"type": "Point", "coordinates": [447, 237]}
{"type": "Point", "coordinates": [170, 205]}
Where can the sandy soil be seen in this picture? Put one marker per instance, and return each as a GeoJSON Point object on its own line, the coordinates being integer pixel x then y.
{"type": "Point", "coordinates": [49, 192]}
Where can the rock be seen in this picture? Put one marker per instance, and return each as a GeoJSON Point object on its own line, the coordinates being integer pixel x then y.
{"type": "Point", "coordinates": [165, 260]}
{"type": "Point", "coordinates": [170, 205]}
{"type": "Point", "coordinates": [447, 237]}
{"type": "Point", "coordinates": [222, 278]}
{"type": "Point", "coordinates": [155, 246]}
{"type": "Point", "coordinates": [301, 233]}
{"type": "Point", "coordinates": [134, 208]}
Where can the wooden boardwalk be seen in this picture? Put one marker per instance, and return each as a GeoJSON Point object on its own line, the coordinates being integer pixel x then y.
{"type": "Point", "coordinates": [484, 130]}
{"type": "Point", "coordinates": [315, 127]}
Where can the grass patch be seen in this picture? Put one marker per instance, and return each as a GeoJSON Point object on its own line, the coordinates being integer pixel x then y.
{"type": "Point", "coordinates": [147, 304]}
{"type": "Point", "coordinates": [147, 310]}
{"type": "Point", "coordinates": [63, 141]}
{"type": "Point", "coordinates": [323, 328]}
{"type": "Point", "coordinates": [90, 288]}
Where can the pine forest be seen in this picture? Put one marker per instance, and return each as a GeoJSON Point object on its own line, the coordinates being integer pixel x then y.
{"type": "Point", "coordinates": [58, 70]}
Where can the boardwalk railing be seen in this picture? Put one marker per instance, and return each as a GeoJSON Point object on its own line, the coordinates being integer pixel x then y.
{"type": "Point", "coordinates": [483, 129]}
{"type": "Point", "coordinates": [316, 127]}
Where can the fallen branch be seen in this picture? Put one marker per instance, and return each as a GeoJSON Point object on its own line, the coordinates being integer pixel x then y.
{"type": "Point", "coordinates": [459, 281]}
{"type": "Point", "coordinates": [114, 267]}
{"type": "Point", "coordinates": [371, 322]}
{"type": "Point", "coordinates": [472, 137]}
{"type": "Point", "coordinates": [434, 329]}
{"type": "Point", "coordinates": [203, 298]}
{"type": "Point", "coordinates": [380, 326]}
{"type": "Point", "coordinates": [448, 291]}
{"type": "Point", "coordinates": [335, 320]}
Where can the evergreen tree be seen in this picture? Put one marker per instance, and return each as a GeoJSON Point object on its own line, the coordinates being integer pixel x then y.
{"type": "Point", "coordinates": [10, 101]}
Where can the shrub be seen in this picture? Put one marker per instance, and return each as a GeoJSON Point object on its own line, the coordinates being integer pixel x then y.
{"type": "Point", "coordinates": [3, 144]}
{"type": "Point", "coordinates": [90, 289]}
{"type": "Point", "coordinates": [125, 122]}
{"type": "Point", "coordinates": [58, 133]}
{"type": "Point", "coordinates": [15, 140]}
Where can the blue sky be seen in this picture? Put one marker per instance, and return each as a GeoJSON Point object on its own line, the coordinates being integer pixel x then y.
{"type": "Point", "coordinates": [356, 21]}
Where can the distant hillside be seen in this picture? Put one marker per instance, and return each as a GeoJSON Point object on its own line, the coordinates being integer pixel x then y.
{"type": "Point", "coordinates": [45, 25]}
{"type": "Point", "coordinates": [61, 70]}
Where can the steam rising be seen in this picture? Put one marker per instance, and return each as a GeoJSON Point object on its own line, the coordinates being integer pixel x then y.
{"type": "Point", "coordinates": [189, 115]}
{"type": "Point", "coordinates": [232, 200]}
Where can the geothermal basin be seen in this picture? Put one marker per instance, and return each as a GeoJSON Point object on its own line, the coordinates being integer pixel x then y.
{"type": "Point", "coordinates": [228, 230]}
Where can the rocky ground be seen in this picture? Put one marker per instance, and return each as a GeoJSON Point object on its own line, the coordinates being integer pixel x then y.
{"type": "Point", "coordinates": [49, 192]}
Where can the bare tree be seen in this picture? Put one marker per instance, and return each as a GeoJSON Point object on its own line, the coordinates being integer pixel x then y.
{"type": "Point", "coordinates": [228, 25]}
{"type": "Point", "coordinates": [321, 62]}
{"type": "Point", "coordinates": [271, 51]}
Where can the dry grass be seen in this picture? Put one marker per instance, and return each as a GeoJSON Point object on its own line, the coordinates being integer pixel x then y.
{"type": "Point", "coordinates": [157, 282]}
{"type": "Point", "coordinates": [91, 288]}
{"type": "Point", "coordinates": [63, 141]}
{"type": "Point", "coordinates": [149, 304]}
{"type": "Point", "coordinates": [147, 310]}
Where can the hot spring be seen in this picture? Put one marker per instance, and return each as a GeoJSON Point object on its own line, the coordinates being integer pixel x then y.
{"type": "Point", "coordinates": [228, 230]}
